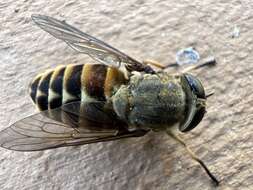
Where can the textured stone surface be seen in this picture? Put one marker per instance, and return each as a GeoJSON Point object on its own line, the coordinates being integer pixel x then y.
{"type": "Point", "coordinates": [154, 30]}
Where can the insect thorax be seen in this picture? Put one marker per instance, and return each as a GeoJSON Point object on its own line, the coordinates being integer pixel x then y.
{"type": "Point", "coordinates": [151, 101]}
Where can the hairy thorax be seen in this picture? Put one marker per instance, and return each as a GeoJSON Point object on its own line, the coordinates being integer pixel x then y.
{"type": "Point", "coordinates": [150, 101]}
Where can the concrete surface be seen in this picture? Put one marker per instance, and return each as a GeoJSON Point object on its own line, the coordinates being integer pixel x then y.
{"type": "Point", "coordinates": [154, 30]}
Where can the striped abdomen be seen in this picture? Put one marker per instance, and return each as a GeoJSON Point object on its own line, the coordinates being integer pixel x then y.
{"type": "Point", "coordinates": [70, 83]}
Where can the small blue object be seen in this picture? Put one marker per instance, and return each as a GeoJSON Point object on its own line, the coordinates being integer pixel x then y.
{"type": "Point", "coordinates": [187, 56]}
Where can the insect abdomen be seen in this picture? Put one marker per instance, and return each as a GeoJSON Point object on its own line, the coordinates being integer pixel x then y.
{"type": "Point", "coordinates": [70, 83]}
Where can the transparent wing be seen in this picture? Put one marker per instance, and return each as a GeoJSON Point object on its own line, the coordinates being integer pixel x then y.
{"type": "Point", "coordinates": [70, 125]}
{"type": "Point", "coordinates": [87, 44]}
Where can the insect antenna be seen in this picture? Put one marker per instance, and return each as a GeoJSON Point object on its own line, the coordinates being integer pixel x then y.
{"type": "Point", "coordinates": [209, 93]}
{"type": "Point", "coordinates": [193, 156]}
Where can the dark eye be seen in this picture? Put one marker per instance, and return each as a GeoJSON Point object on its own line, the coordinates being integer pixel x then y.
{"type": "Point", "coordinates": [196, 86]}
{"type": "Point", "coordinates": [196, 119]}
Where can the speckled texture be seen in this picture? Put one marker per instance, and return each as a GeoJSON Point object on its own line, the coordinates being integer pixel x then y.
{"type": "Point", "coordinates": [154, 30]}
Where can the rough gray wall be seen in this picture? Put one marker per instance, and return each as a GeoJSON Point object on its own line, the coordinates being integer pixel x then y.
{"type": "Point", "coordinates": [154, 30]}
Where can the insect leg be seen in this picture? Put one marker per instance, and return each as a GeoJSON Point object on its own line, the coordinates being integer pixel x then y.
{"type": "Point", "coordinates": [193, 156]}
{"type": "Point", "coordinates": [154, 63]}
{"type": "Point", "coordinates": [210, 61]}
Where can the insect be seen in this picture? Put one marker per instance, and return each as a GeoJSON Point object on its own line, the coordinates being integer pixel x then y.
{"type": "Point", "coordinates": [118, 98]}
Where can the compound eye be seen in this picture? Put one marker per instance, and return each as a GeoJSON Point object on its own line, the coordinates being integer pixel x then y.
{"type": "Point", "coordinates": [196, 120]}
{"type": "Point", "coordinates": [196, 86]}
